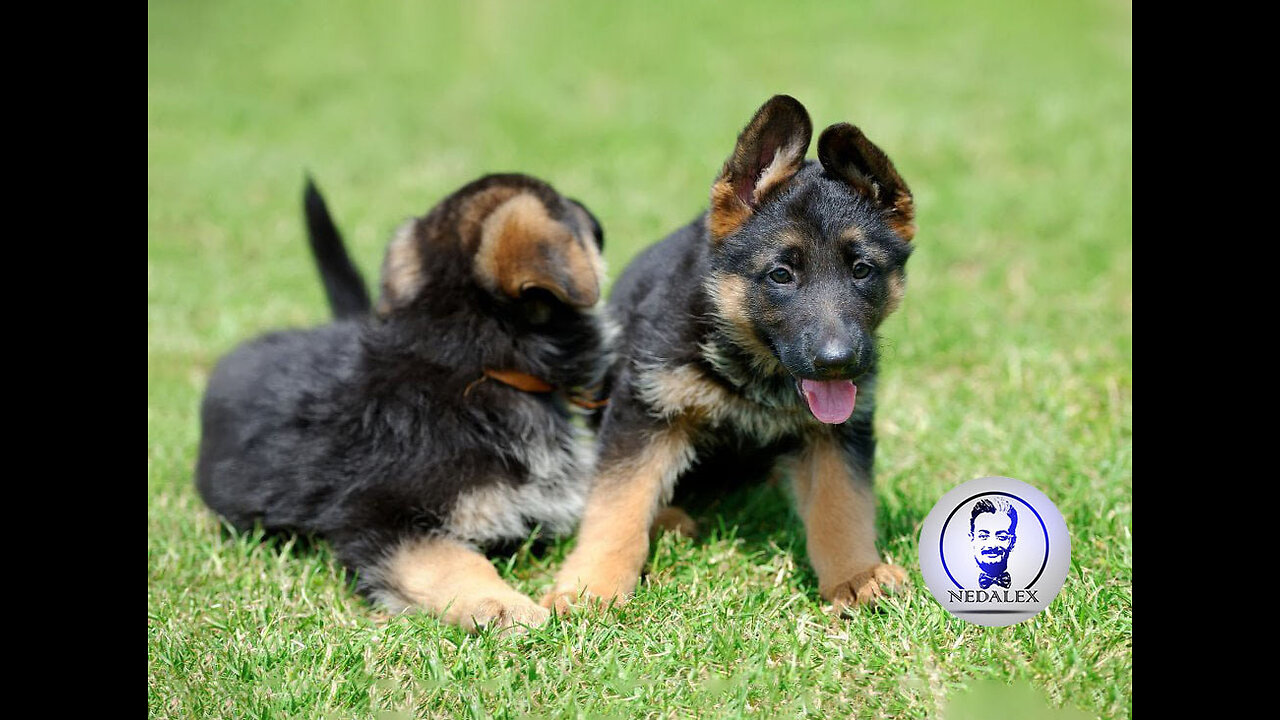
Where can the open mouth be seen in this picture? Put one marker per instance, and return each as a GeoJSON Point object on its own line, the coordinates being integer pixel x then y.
{"type": "Point", "coordinates": [830, 401]}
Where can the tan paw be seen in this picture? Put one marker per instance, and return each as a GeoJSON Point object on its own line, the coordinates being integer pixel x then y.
{"type": "Point", "coordinates": [514, 614]}
{"type": "Point", "coordinates": [673, 519]}
{"type": "Point", "coordinates": [564, 599]}
{"type": "Point", "coordinates": [865, 587]}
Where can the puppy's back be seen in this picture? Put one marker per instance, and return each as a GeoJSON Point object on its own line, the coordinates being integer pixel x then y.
{"type": "Point", "coordinates": [258, 412]}
{"type": "Point", "coordinates": [674, 261]}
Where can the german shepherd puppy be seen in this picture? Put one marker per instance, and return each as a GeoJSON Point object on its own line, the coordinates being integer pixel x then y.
{"type": "Point", "coordinates": [416, 436]}
{"type": "Point", "coordinates": [751, 334]}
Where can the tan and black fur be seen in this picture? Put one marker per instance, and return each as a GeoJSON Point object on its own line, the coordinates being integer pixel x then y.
{"type": "Point", "coordinates": [414, 437]}
{"type": "Point", "coordinates": [784, 280]}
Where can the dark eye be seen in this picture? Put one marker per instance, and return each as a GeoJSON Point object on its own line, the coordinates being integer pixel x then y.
{"type": "Point", "coordinates": [861, 270]}
{"type": "Point", "coordinates": [781, 275]}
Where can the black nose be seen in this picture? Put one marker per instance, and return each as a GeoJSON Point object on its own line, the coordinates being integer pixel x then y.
{"type": "Point", "coordinates": [835, 356]}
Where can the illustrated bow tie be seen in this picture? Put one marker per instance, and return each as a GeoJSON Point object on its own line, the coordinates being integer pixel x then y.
{"type": "Point", "coordinates": [985, 580]}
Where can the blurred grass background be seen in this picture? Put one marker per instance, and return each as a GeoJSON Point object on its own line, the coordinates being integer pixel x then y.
{"type": "Point", "coordinates": [1011, 354]}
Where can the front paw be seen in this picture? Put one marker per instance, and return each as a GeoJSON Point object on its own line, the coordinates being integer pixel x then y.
{"type": "Point", "coordinates": [866, 587]}
{"type": "Point", "coordinates": [514, 614]}
{"type": "Point", "coordinates": [675, 520]}
{"type": "Point", "coordinates": [566, 596]}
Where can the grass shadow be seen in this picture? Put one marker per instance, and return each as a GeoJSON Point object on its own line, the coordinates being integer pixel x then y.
{"type": "Point", "coordinates": [762, 514]}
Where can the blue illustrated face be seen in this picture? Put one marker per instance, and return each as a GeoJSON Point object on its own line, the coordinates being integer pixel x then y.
{"type": "Point", "coordinates": [987, 519]}
{"type": "Point", "coordinates": [992, 539]}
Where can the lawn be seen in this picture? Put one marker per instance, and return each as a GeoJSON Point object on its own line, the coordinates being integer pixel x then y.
{"type": "Point", "coordinates": [1011, 354]}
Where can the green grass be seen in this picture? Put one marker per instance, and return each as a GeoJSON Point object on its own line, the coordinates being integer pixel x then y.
{"type": "Point", "coordinates": [1011, 354]}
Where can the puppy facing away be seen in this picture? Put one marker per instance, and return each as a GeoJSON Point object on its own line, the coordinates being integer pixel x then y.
{"type": "Point", "coordinates": [413, 437]}
{"type": "Point", "coordinates": [751, 334]}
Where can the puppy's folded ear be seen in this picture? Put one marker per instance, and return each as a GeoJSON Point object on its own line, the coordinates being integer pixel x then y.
{"type": "Point", "coordinates": [597, 232]}
{"type": "Point", "coordinates": [770, 150]}
{"type": "Point", "coordinates": [846, 153]}
{"type": "Point", "coordinates": [402, 272]}
{"type": "Point", "coordinates": [523, 247]}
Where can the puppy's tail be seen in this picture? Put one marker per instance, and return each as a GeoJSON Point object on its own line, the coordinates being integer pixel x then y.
{"type": "Point", "coordinates": [343, 284]}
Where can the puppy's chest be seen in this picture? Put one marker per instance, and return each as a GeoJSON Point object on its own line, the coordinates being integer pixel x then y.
{"type": "Point", "coordinates": [548, 471]}
{"type": "Point", "coordinates": [764, 414]}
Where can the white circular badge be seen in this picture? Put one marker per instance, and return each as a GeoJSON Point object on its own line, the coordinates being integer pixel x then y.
{"type": "Point", "coordinates": [994, 551]}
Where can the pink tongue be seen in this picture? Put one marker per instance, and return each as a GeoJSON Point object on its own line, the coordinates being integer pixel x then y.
{"type": "Point", "coordinates": [831, 401]}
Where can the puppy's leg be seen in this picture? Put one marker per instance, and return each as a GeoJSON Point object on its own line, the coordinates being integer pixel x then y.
{"type": "Point", "coordinates": [455, 583]}
{"type": "Point", "coordinates": [613, 540]}
{"type": "Point", "coordinates": [839, 511]}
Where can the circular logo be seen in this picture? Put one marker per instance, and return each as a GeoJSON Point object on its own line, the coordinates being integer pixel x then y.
{"type": "Point", "coordinates": [994, 551]}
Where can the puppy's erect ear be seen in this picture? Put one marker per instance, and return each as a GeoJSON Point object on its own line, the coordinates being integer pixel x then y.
{"type": "Point", "coordinates": [846, 153]}
{"type": "Point", "coordinates": [402, 276]}
{"type": "Point", "coordinates": [522, 247]}
{"type": "Point", "coordinates": [770, 150]}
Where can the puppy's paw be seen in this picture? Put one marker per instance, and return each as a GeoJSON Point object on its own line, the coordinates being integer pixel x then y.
{"type": "Point", "coordinates": [673, 519]}
{"type": "Point", "coordinates": [561, 602]}
{"type": "Point", "coordinates": [565, 598]}
{"type": "Point", "coordinates": [512, 614]}
{"type": "Point", "coordinates": [866, 587]}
